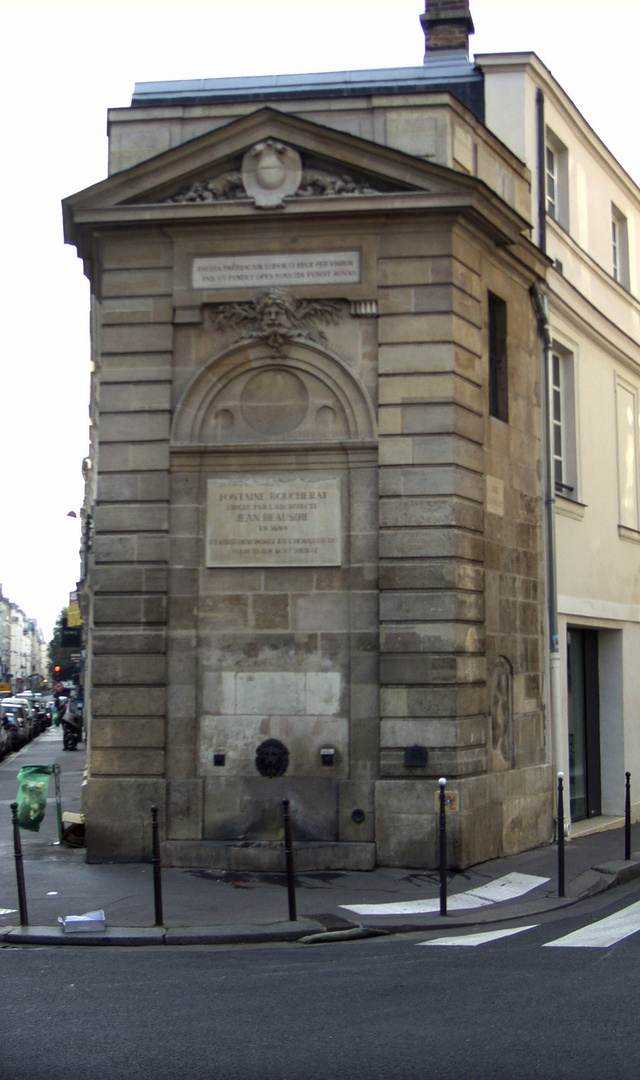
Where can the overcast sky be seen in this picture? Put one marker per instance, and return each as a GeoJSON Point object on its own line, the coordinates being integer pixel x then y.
{"type": "Point", "coordinates": [62, 65]}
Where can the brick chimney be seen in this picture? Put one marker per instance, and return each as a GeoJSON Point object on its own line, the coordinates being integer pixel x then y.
{"type": "Point", "coordinates": [447, 25]}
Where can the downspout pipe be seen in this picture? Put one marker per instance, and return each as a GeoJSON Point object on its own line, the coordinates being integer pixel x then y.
{"type": "Point", "coordinates": [559, 749]}
{"type": "Point", "coordinates": [542, 172]}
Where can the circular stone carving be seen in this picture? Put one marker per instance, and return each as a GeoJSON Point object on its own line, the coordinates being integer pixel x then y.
{"type": "Point", "coordinates": [270, 172]}
{"type": "Point", "coordinates": [274, 401]}
{"type": "Point", "coordinates": [272, 758]}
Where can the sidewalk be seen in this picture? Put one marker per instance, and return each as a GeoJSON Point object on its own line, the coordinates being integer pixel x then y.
{"type": "Point", "coordinates": [225, 907]}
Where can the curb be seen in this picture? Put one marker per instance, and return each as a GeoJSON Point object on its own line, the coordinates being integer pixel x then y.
{"type": "Point", "coordinates": [160, 935]}
{"type": "Point", "coordinates": [599, 879]}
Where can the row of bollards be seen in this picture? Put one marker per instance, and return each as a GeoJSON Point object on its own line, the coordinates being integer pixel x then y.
{"type": "Point", "coordinates": [561, 827]}
{"type": "Point", "coordinates": [288, 851]}
{"type": "Point", "coordinates": [442, 836]}
{"type": "Point", "coordinates": [157, 864]}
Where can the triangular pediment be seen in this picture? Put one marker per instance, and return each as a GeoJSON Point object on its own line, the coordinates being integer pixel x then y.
{"type": "Point", "coordinates": [212, 169]}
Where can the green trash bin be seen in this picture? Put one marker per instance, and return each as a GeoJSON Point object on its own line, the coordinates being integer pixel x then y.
{"type": "Point", "coordinates": [32, 795]}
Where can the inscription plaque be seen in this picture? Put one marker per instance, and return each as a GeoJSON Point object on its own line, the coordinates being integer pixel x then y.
{"type": "Point", "coordinates": [263, 271]}
{"type": "Point", "coordinates": [257, 522]}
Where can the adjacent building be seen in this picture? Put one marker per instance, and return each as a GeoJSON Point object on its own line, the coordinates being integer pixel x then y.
{"type": "Point", "coordinates": [316, 561]}
{"type": "Point", "coordinates": [587, 219]}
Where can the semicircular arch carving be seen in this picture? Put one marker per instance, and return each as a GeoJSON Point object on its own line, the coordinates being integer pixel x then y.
{"type": "Point", "coordinates": [246, 396]}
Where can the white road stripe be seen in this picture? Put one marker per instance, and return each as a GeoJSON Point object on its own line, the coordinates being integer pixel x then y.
{"type": "Point", "coordinates": [479, 939]}
{"type": "Point", "coordinates": [508, 887]}
{"type": "Point", "coordinates": [7, 911]}
{"type": "Point", "coordinates": [600, 935]}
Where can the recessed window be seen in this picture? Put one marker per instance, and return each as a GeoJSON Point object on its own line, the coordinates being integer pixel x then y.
{"type": "Point", "coordinates": [619, 247]}
{"type": "Point", "coordinates": [498, 382]}
{"type": "Point", "coordinates": [563, 423]}
{"type": "Point", "coordinates": [626, 430]}
{"type": "Point", "coordinates": [557, 179]}
{"type": "Point", "coordinates": [551, 169]}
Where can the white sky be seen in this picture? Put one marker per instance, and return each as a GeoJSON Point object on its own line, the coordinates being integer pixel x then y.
{"type": "Point", "coordinates": [63, 64]}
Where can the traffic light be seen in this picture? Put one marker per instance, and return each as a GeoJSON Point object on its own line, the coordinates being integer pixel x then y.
{"type": "Point", "coordinates": [56, 673]}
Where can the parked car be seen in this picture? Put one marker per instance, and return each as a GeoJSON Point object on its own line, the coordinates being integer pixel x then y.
{"type": "Point", "coordinates": [14, 721]}
{"type": "Point", "coordinates": [27, 712]}
{"type": "Point", "coordinates": [6, 735]}
{"type": "Point", "coordinates": [35, 702]}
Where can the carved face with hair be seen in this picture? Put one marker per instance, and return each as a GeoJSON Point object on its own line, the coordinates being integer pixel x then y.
{"type": "Point", "coordinates": [273, 313]}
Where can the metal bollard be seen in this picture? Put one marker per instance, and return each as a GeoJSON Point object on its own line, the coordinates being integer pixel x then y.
{"type": "Point", "coordinates": [55, 769]}
{"type": "Point", "coordinates": [627, 817]}
{"type": "Point", "coordinates": [288, 851]}
{"type": "Point", "coordinates": [560, 835]}
{"type": "Point", "coordinates": [17, 847]}
{"type": "Point", "coordinates": [157, 866]}
{"type": "Point", "coordinates": [443, 848]}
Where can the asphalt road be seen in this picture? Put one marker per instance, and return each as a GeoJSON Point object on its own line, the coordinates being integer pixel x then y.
{"type": "Point", "coordinates": [509, 1009]}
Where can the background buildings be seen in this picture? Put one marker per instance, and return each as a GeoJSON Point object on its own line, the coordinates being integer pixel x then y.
{"type": "Point", "coordinates": [23, 658]}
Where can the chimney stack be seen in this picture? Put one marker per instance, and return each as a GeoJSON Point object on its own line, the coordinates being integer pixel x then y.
{"type": "Point", "coordinates": [447, 25]}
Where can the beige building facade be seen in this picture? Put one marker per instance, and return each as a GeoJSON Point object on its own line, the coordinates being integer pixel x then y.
{"type": "Point", "coordinates": [589, 224]}
{"type": "Point", "coordinates": [314, 488]}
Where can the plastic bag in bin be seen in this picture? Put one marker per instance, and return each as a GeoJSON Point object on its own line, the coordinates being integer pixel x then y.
{"type": "Point", "coordinates": [32, 796]}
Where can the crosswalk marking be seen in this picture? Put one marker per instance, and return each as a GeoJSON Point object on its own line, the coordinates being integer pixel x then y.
{"type": "Point", "coordinates": [509, 887]}
{"type": "Point", "coordinates": [600, 935]}
{"type": "Point", "coordinates": [481, 938]}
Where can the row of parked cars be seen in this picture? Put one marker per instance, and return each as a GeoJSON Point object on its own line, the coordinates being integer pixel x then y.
{"type": "Point", "coordinates": [22, 718]}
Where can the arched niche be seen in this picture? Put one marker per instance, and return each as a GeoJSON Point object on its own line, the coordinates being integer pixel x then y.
{"type": "Point", "coordinates": [501, 713]}
{"type": "Point", "coordinates": [245, 395]}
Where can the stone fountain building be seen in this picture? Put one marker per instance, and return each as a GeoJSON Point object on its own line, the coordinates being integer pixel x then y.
{"type": "Point", "coordinates": [314, 484]}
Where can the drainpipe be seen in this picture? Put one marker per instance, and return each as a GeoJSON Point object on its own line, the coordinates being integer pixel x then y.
{"type": "Point", "coordinates": [560, 751]}
{"type": "Point", "coordinates": [542, 187]}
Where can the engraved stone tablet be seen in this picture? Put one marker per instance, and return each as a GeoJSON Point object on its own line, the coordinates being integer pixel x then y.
{"type": "Point", "coordinates": [265, 271]}
{"type": "Point", "coordinates": [274, 522]}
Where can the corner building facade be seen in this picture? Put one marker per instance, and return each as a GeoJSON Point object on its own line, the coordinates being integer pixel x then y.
{"type": "Point", "coordinates": [315, 481]}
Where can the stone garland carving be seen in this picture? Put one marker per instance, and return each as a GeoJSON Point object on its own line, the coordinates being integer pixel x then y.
{"type": "Point", "coordinates": [277, 318]}
{"type": "Point", "coordinates": [316, 183]}
{"type": "Point", "coordinates": [222, 188]}
{"type": "Point", "coordinates": [229, 187]}
{"type": "Point", "coordinates": [271, 172]}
